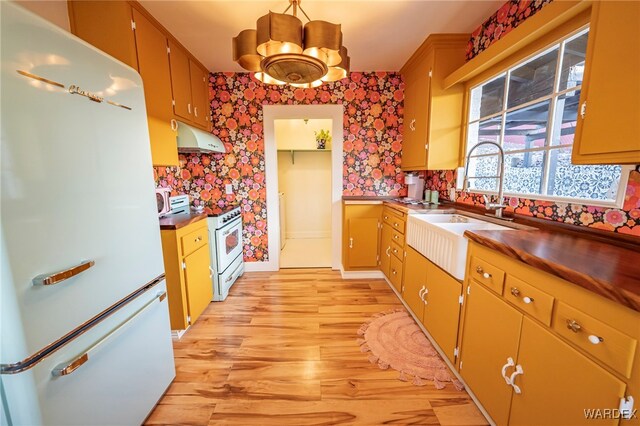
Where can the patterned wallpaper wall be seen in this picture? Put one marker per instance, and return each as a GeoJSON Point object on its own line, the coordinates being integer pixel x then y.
{"type": "Point", "coordinates": [373, 109]}
{"type": "Point", "coordinates": [508, 17]}
{"type": "Point", "coordinates": [625, 220]}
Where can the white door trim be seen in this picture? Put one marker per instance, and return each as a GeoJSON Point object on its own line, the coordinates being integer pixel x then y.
{"type": "Point", "coordinates": [276, 112]}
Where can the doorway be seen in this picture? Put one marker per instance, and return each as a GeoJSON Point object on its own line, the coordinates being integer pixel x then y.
{"type": "Point", "coordinates": [271, 113]}
{"type": "Point", "coordinates": [304, 191]}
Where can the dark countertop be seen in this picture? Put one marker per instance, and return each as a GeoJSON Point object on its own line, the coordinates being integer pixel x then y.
{"type": "Point", "coordinates": [606, 269]}
{"type": "Point", "coordinates": [180, 220]}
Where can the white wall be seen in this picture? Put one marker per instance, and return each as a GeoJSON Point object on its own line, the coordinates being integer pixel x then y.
{"type": "Point", "coordinates": [54, 11]}
{"type": "Point", "coordinates": [300, 133]}
{"type": "Point", "coordinates": [306, 184]}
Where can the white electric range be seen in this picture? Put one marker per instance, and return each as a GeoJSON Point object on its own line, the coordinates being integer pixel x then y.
{"type": "Point", "coordinates": [225, 226]}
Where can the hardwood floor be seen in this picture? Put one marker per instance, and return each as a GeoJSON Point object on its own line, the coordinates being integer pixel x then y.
{"type": "Point", "coordinates": [281, 350]}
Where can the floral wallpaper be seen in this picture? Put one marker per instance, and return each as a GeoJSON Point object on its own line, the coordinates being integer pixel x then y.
{"type": "Point", "coordinates": [372, 126]}
{"type": "Point", "coordinates": [508, 17]}
{"type": "Point", "coordinates": [625, 220]}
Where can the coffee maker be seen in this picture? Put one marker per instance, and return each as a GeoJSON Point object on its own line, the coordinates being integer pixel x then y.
{"type": "Point", "coordinates": [415, 186]}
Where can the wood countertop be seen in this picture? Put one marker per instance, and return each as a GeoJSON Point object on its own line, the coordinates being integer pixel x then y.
{"type": "Point", "coordinates": [606, 269]}
{"type": "Point", "coordinates": [180, 220]}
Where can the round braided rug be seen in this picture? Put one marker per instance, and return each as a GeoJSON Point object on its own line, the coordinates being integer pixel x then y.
{"type": "Point", "coordinates": [395, 340]}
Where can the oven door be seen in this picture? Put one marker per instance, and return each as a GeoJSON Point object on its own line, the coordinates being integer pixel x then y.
{"type": "Point", "coordinates": [229, 243]}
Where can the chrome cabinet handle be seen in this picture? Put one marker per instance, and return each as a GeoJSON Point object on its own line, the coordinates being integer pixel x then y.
{"type": "Point", "coordinates": [573, 325]}
{"type": "Point", "coordinates": [510, 363]}
{"type": "Point", "coordinates": [516, 292]}
{"type": "Point", "coordinates": [412, 125]}
{"type": "Point", "coordinates": [481, 272]}
{"type": "Point", "coordinates": [350, 243]}
{"type": "Point", "coordinates": [67, 368]}
{"type": "Point", "coordinates": [58, 277]}
{"type": "Point", "coordinates": [512, 379]}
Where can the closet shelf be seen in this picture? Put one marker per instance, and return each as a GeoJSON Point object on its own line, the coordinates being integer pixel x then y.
{"type": "Point", "coordinates": [293, 151]}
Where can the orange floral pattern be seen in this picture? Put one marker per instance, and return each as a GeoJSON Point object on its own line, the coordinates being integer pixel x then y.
{"type": "Point", "coordinates": [625, 220]}
{"type": "Point", "coordinates": [372, 132]}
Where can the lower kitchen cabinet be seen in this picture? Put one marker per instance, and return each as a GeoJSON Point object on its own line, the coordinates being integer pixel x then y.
{"type": "Point", "coordinates": [361, 235]}
{"type": "Point", "coordinates": [385, 249]}
{"type": "Point", "coordinates": [434, 297]}
{"type": "Point", "coordinates": [188, 270]}
{"type": "Point", "coordinates": [531, 359]}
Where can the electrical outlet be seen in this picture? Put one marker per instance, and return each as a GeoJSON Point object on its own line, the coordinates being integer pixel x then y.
{"type": "Point", "coordinates": [228, 188]}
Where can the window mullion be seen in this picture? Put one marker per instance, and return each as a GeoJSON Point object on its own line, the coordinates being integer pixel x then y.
{"type": "Point", "coordinates": [553, 121]}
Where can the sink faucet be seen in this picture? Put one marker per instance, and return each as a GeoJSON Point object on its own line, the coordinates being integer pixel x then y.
{"type": "Point", "coordinates": [498, 207]}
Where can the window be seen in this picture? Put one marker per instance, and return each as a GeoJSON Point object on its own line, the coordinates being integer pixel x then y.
{"type": "Point", "coordinates": [531, 111]}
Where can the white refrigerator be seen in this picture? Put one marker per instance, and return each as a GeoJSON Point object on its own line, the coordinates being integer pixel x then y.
{"type": "Point", "coordinates": [85, 336]}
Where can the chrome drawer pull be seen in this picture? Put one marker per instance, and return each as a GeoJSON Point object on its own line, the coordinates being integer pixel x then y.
{"type": "Point", "coordinates": [481, 271]}
{"type": "Point", "coordinates": [57, 277]}
{"type": "Point", "coordinates": [595, 339]}
{"type": "Point", "coordinates": [516, 292]}
{"type": "Point", "coordinates": [573, 325]}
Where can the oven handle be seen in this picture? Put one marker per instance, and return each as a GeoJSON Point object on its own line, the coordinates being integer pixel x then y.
{"type": "Point", "coordinates": [233, 275]}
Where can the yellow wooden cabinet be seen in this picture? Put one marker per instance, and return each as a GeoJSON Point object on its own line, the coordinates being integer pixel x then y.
{"type": "Point", "coordinates": [188, 271]}
{"type": "Point", "coordinates": [433, 115]}
{"type": "Point", "coordinates": [199, 94]}
{"type": "Point", "coordinates": [414, 282]}
{"type": "Point", "coordinates": [608, 128]}
{"type": "Point", "coordinates": [361, 234]}
{"type": "Point", "coordinates": [385, 248]}
{"type": "Point", "coordinates": [536, 349]}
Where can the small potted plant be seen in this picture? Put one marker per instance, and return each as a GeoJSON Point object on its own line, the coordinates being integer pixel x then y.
{"type": "Point", "coordinates": [322, 138]}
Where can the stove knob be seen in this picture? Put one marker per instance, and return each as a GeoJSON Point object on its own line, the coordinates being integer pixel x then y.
{"type": "Point", "coordinates": [225, 219]}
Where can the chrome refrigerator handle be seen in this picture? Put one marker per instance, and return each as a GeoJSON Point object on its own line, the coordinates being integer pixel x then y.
{"type": "Point", "coordinates": [67, 368]}
{"type": "Point", "coordinates": [58, 277]}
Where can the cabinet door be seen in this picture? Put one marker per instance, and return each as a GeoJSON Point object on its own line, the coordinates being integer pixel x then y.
{"type": "Point", "coordinates": [199, 94]}
{"type": "Point", "coordinates": [608, 132]}
{"type": "Point", "coordinates": [442, 311]}
{"type": "Point", "coordinates": [385, 249]}
{"type": "Point", "coordinates": [362, 242]}
{"type": "Point", "coordinates": [106, 25]}
{"type": "Point", "coordinates": [198, 282]}
{"type": "Point", "coordinates": [415, 280]}
{"type": "Point", "coordinates": [153, 65]}
{"type": "Point", "coordinates": [414, 149]}
{"type": "Point", "coordinates": [558, 383]}
{"type": "Point", "coordinates": [490, 335]}
{"type": "Point", "coordinates": [180, 81]}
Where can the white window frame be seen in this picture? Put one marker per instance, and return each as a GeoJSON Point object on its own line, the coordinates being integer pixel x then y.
{"type": "Point", "coordinates": [552, 98]}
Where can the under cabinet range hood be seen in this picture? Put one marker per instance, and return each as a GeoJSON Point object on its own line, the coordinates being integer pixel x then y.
{"type": "Point", "coordinates": [191, 139]}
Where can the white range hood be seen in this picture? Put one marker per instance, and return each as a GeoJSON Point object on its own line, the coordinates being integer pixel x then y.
{"type": "Point", "coordinates": [191, 139]}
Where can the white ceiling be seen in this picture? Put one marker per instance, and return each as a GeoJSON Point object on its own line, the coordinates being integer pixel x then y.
{"type": "Point", "coordinates": [380, 34]}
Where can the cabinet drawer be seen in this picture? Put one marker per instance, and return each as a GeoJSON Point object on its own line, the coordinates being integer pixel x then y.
{"type": "Point", "coordinates": [600, 340]}
{"type": "Point", "coordinates": [396, 251]}
{"type": "Point", "coordinates": [534, 302]}
{"type": "Point", "coordinates": [397, 237]}
{"type": "Point", "coordinates": [396, 222]}
{"type": "Point", "coordinates": [395, 272]}
{"type": "Point", "coordinates": [193, 240]}
{"type": "Point", "coordinates": [487, 274]}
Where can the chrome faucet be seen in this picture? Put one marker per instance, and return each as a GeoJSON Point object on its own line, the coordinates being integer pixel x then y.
{"type": "Point", "coordinates": [498, 207]}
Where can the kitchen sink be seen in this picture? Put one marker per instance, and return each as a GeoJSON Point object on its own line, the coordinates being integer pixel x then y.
{"type": "Point", "coordinates": [439, 237]}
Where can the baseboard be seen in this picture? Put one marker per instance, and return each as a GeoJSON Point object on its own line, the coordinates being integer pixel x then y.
{"type": "Point", "coordinates": [261, 267]}
{"type": "Point", "coordinates": [440, 352]}
{"type": "Point", "coordinates": [360, 275]}
{"type": "Point", "coordinates": [306, 235]}
{"type": "Point", "coordinates": [177, 334]}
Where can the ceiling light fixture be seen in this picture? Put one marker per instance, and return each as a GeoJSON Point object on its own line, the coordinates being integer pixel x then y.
{"type": "Point", "coordinates": [281, 51]}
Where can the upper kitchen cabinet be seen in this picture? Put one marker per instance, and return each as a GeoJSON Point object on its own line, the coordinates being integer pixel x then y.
{"type": "Point", "coordinates": [189, 84]}
{"type": "Point", "coordinates": [433, 115]}
{"type": "Point", "coordinates": [608, 125]}
{"type": "Point", "coordinates": [153, 63]}
{"type": "Point", "coordinates": [107, 25]}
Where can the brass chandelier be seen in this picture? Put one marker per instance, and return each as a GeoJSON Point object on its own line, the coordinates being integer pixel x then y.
{"type": "Point", "coordinates": [281, 51]}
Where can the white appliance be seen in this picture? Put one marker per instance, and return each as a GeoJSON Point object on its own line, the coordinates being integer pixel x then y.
{"type": "Point", "coordinates": [83, 309]}
{"type": "Point", "coordinates": [191, 139]}
{"type": "Point", "coordinates": [415, 186]}
{"type": "Point", "coordinates": [162, 201]}
{"type": "Point", "coordinates": [179, 204]}
{"type": "Point", "coordinates": [226, 249]}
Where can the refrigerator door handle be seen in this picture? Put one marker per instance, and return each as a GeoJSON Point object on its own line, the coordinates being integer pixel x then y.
{"type": "Point", "coordinates": [67, 368]}
{"type": "Point", "coordinates": [58, 277]}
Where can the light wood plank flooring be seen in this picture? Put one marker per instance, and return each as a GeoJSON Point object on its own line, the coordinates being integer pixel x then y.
{"type": "Point", "coordinates": [281, 350]}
